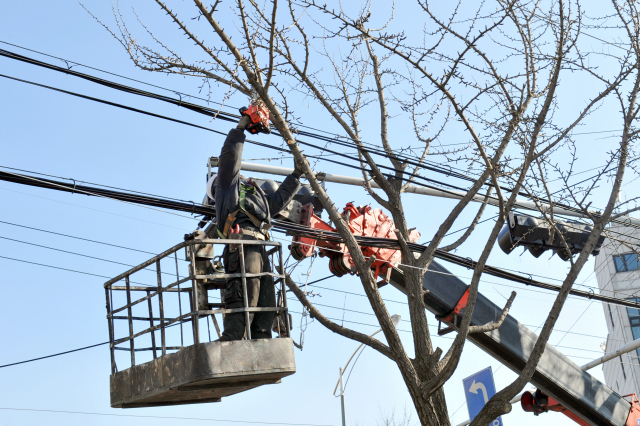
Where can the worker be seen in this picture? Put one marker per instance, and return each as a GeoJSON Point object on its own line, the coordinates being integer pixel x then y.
{"type": "Point", "coordinates": [244, 211]}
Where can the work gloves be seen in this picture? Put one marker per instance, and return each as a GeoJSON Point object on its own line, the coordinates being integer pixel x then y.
{"type": "Point", "coordinates": [244, 122]}
{"type": "Point", "coordinates": [298, 170]}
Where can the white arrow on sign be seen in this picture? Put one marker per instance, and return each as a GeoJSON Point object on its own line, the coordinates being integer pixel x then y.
{"type": "Point", "coordinates": [474, 388]}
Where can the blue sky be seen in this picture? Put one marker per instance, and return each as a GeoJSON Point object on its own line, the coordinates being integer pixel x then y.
{"type": "Point", "coordinates": [44, 310]}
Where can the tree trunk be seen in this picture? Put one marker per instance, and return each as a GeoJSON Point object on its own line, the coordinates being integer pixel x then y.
{"type": "Point", "coordinates": [431, 411]}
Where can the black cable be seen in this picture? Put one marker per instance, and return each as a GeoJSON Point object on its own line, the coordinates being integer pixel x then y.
{"type": "Point", "coordinates": [264, 145]}
{"type": "Point", "coordinates": [302, 230]}
{"type": "Point", "coordinates": [435, 326]}
{"type": "Point", "coordinates": [448, 172]}
{"type": "Point", "coordinates": [53, 355]}
{"type": "Point", "coordinates": [83, 255]}
{"type": "Point", "coordinates": [112, 104]}
{"type": "Point", "coordinates": [96, 184]}
{"type": "Point", "coordinates": [232, 117]}
{"type": "Point", "coordinates": [160, 417]}
{"type": "Point", "coordinates": [77, 238]}
{"type": "Point", "coordinates": [68, 61]}
{"type": "Point", "coordinates": [65, 269]}
{"type": "Point", "coordinates": [179, 102]}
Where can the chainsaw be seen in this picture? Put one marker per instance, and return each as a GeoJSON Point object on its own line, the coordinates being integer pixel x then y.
{"type": "Point", "coordinates": [259, 115]}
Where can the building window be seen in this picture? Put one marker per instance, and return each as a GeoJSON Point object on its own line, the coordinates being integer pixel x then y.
{"type": "Point", "coordinates": [634, 321]}
{"type": "Point", "coordinates": [622, 365]}
{"type": "Point", "coordinates": [626, 262]}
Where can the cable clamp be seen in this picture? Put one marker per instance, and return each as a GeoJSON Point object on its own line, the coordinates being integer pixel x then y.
{"type": "Point", "coordinates": [73, 191]}
{"type": "Point", "coordinates": [470, 263]}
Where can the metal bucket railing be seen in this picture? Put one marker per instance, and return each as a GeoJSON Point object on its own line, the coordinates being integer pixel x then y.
{"type": "Point", "coordinates": [161, 298]}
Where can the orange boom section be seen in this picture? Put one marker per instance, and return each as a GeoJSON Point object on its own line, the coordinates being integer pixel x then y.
{"type": "Point", "coordinates": [363, 221]}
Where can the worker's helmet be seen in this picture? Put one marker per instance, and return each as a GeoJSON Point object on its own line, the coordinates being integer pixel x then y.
{"type": "Point", "coordinates": [211, 186]}
{"type": "Point", "coordinates": [269, 186]}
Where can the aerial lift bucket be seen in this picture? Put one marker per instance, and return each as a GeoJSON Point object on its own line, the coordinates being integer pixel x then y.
{"type": "Point", "coordinates": [161, 325]}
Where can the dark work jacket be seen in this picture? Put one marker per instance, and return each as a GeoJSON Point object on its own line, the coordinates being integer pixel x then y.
{"type": "Point", "coordinates": [227, 195]}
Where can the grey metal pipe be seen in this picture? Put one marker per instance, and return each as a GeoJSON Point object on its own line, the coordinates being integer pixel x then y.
{"type": "Point", "coordinates": [414, 189]}
{"type": "Point", "coordinates": [623, 350]}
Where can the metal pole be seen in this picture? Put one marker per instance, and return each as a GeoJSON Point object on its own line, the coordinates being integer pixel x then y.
{"type": "Point", "coordinates": [283, 289]}
{"type": "Point", "coordinates": [129, 315]}
{"type": "Point", "coordinates": [344, 415]}
{"type": "Point", "coordinates": [194, 298]}
{"type": "Point", "coordinates": [175, 254]}
{"type": "Point", "coordinates": [161, 307]}
{"type": "Point", "coordinates": [111, 337]}
{"type": "Point", "coordinates": [153, 333]}
{"type": "Point", "coordinates": [243, 273]}
{"type": "Point", "coordinates": [350, 180]}
{"type": "Point", "coordinates": [623, 350]}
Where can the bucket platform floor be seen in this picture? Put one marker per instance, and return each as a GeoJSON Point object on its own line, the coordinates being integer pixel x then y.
{"type": "Point", "coordinates": [204, 372]}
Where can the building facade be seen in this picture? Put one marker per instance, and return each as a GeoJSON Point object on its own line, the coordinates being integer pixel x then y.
{"type": "Point", "coordinates": [618, 275]}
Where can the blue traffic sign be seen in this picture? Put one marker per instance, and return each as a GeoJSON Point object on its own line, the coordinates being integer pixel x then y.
{"type": "Point", "coordinates": [478, 389]}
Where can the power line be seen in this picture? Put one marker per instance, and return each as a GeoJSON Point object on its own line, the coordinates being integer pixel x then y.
{"type": "Point", "coordinates": [54, 355]}
{"type": "Point", "coordinates": [198, 108]}
{"type": "Point", "coordinates": [310, 284]}
{"type": "Point", "coordinates": [82, 255]}
{"type": "Point", "coordinates": [160, 417]}
{"type": "Point", "coordinates": [436, 167]}
{"type": "Point", "coordinates": [232, 117]}
{"type": "Point", "coordinates": [264, 145]}
{"type": "Point", "coordinates": [78, 238]}
{"type": "Point", "coordinates": [92, 183]}
{"type": "Point", "coordinates": [94, 209]}
{"type": "Point", "coordinates": [296, 229]}
{"type": "Point", "coordinates": [64, 269]}
{"type": "Point", "coordinates": [175, 92]}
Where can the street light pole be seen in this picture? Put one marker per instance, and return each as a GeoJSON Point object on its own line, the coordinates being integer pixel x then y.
{"type": "Point", "coordinates": [395, 319]}
{"type": "Point", "coordinates": [344, 414]}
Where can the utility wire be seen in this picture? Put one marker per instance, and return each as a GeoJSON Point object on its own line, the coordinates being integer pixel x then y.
{"type": "Point", "coordinates": [54, 355]}
{"type": "Point", "coordinates": [96, 184]}
{"type": "Point", "coordinates": [310, 284]}
{"type": "Point", "coordinates": [438, 168]}
{"type": "Point", "coordinates": [161, 417]}
{"type": "Point", "coordinates": [140, 111]}
{"type": "Point", "coordinates": [232, 117]}
{"type": "Point", "coordinates": [78, 238]}
{"type": "Point", "coordinates": [175, 92]}
{"type": "Point", "coordinates": [194, 107]}
{"type": "Point", "coordinates": [82, 255]}
{"type": "Point", "coordinates": [306, 231]}
{"type": "Point", "coordinates": [65, 269]}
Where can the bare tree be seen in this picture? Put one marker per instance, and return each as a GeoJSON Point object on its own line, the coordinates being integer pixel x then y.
{"type": "Point", "coordinates": [488, 73]}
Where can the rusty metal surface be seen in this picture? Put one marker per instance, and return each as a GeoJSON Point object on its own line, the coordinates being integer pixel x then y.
{"type": "Point", "coordinates": [204, 372]}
